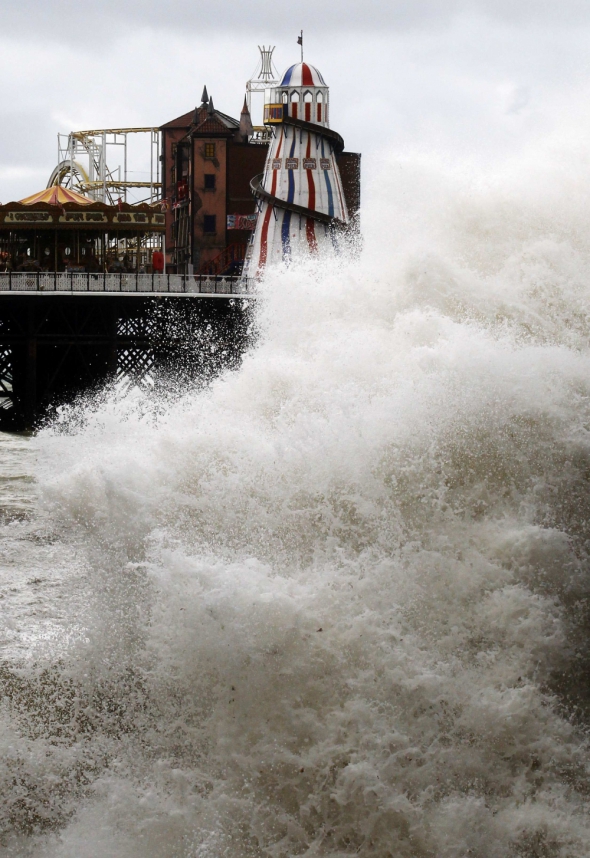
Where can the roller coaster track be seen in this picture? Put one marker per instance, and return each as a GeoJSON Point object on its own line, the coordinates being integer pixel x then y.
{"type": "Point", "coordinates": [97, 179]}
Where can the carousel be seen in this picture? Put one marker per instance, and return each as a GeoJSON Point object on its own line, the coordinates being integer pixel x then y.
{"type": "Point", "coordinates": [60, 230]}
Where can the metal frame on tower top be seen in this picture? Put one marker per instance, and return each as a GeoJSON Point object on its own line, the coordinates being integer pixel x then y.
{"type": "Point", "coordinates": [265, 74]}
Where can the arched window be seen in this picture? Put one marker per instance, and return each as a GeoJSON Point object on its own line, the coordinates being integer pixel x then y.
{"type": "Point", "coordinates": [307, 98]}
{"type": "Point", "coordinates": [307, 95]}
{"type": "Point", "coordinates": [294, 103]}
{"type": "Point", "coordinates": [285, 97]}
{"type": "Point", "coordinates": [319, 100]}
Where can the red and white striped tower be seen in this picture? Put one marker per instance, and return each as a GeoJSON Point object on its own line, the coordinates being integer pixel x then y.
{"type": "Point", "coordinates": [300, 195]}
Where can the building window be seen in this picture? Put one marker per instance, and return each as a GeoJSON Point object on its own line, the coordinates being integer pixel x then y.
{"type": "Point", "coordinates": [209, 150]}
{"type": "Point", "coordinates": [210, 181]}
{"type": "Point", "coordinates": [210, 224]}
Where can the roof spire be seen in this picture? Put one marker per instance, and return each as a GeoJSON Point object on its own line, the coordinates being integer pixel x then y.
{"type": "Point", "coordinates": [204, 97]}
{"type": "Point", "coordinates": [210, 108]}
{"type": "Point", "coordinates": [245, 121]}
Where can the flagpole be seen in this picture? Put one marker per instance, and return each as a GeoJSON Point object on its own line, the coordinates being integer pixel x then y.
{"type": "Point", "coordinates": [301, 43]}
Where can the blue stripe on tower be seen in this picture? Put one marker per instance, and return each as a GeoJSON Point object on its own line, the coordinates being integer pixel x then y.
{"type": "Point", "coordinates": [285, 229]}
{"type": "Point", "coordinates": [329, 188]}
{"type": "Point", "coordinates": [287, 78]}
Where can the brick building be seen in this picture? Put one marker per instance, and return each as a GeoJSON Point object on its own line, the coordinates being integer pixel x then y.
{"type": "Point", "coordinates": [208, 160]}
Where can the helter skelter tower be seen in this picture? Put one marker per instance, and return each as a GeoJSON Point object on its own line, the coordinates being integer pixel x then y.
{"type": "Point", "coordinates": [300, 197]}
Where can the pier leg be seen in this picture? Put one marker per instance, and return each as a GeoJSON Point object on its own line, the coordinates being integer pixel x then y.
{"type": "Point", "coordinates": [30, 404]}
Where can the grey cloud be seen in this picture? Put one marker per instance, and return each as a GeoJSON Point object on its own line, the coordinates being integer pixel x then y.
{"type": "Point", "coordinates": [94, 21]}
{"type": "Point", "coordinates": [27, 139]}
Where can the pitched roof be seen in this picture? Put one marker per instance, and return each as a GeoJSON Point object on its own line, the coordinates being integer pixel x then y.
{"type": "Point", "coordinates": [201, 121]}
{"type": "Point", "coordinates": [183, 121]}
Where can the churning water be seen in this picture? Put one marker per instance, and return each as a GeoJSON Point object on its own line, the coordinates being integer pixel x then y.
{"type": "Point", "coordinates": [337, 603]}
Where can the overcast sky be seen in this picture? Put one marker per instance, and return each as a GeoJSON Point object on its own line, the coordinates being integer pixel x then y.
{"type": "Point", "coordinates": [474, 79]}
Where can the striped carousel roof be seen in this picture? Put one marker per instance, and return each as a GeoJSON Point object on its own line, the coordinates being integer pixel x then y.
{"type": "Point", "coordinates": [56, 196]}
{"type": "Point", "coordinates": [302, 74]}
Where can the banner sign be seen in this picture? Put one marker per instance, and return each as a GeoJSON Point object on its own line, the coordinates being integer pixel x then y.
{"type": "Point", "coordinates": [28, 217]}
{"type": "Point", "coordinates": [83, 217]}
{"type": "Point", "coordinates": [241, 221]}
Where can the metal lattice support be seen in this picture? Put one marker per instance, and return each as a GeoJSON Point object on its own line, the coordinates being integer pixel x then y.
{"type": "Point", "coordinates": [6, 379]}
{"type": "Point", "coordinates": [134, 326]}
{"type": "Point", "coordinates": [136, 366]}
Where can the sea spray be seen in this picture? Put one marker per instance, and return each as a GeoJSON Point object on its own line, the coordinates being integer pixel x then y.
{"type": "Point", "coordinates": [335, 603]}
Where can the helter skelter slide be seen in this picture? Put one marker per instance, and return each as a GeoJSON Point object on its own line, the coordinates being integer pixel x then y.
{"type": "Point", "coordinates": [300, 197]}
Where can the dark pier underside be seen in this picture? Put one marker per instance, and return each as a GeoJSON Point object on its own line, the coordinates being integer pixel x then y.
{"type": "Point", "coordinates": [55, 347]}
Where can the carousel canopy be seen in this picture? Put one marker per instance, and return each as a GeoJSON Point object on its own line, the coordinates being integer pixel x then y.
{"type": "Point", "coordinates": [56, 196]}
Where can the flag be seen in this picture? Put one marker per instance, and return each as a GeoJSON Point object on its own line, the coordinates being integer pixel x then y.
{"type": "Point", "coordinates": [300, 39]}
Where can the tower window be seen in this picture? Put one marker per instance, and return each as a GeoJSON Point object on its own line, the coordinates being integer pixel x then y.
{"type": "Point", "coordinates": [307, 96]}
{"type": "Point", "coordinates": [210, 181]}
{"type": "Point", "coordinates": [209, 150]}
{"type": "Point", "coordinates": [210, 224]}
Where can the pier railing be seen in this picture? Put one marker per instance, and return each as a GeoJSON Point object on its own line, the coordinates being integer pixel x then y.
{"type": "Point", "coordinates": [160, 284]}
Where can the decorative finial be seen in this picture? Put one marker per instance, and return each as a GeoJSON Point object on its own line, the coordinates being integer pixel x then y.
{"type": "Point", "coordinates": [210, 107]}
{"type": "Point", "coordinates": [266, 70]}
{"type": "Point", "coordinates": [204, 97]}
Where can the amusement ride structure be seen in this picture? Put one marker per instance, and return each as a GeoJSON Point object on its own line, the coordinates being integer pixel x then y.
{"type": "Point", "coordinates": [264, 76]}
{"type": "Point", "coordinates": [82, 164]}
{"type": "Point", "coordinates": [300, 195]}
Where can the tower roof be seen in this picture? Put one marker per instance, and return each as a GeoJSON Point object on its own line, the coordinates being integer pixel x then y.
{"type": "Point", "coordinates": [302, 74]}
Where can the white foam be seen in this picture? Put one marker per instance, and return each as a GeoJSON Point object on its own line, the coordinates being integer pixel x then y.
{"type": "Point", "coordinates": [336, 600]}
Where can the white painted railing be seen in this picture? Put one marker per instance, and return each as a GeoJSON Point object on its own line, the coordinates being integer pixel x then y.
{"type": "Point", "coordinates": [161, 284]}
